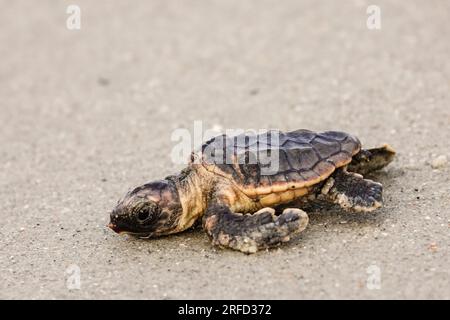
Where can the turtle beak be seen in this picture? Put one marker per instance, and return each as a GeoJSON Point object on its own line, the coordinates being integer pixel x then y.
{"type": "Point", "coordinates": [113, 227]}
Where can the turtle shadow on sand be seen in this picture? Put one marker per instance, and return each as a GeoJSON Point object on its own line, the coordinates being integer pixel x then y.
{"type": "Point", "coordinates": [321, 214]}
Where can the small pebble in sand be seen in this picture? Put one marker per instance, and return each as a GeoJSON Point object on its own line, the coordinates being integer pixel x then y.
{"type": "Point", "coordinates": [439, 162]}
{"type": "Point", "coordinates": [433, 247]}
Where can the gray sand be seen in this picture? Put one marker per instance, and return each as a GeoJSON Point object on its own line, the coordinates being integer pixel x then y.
{"type": "Point", "coordinates": [87, 114]}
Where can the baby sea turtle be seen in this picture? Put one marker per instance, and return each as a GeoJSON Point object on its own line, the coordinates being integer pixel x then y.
{"type": "Point", "coordinates": [238, 186]}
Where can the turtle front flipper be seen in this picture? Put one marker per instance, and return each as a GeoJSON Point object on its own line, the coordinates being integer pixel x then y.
{"type": "Point", "coordinates": [370, 160]}
{"type": "Point", "coordinates": [352, 192]}
{"type": "Point", "coordinates": [251, 232]}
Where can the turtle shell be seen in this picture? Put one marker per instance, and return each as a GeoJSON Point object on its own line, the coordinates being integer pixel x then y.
{"type": "Point", "coordinates": [276, 161]}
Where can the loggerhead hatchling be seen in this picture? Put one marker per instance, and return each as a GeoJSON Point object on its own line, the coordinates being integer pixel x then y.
{"type": "Point", "coordinates": [235, 184]}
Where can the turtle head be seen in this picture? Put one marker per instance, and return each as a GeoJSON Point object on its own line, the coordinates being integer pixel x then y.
{"type": "Point", "coordinates": [150, 210]}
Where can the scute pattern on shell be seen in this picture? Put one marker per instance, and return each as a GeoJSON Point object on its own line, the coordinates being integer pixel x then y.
{"type": "Point", "coordinates": [304, 158]}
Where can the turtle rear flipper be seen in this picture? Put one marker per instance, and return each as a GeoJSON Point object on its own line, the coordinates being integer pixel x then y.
{"type": "Point", "coordinates": [352, 192]}
{"type": "Point", "coordinates": [370, 160]}
{"type": "Point", "coordinates": [250, 233]}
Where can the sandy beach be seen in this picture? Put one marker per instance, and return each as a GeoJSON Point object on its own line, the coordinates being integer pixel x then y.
{"type": "Point", "coordinates": [87, 114]}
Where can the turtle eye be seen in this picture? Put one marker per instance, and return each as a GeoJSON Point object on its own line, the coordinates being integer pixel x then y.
{"type": "Point", "coordinates": [146, 213]}
{"type": "Point", "coordinates": [143, 214]}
